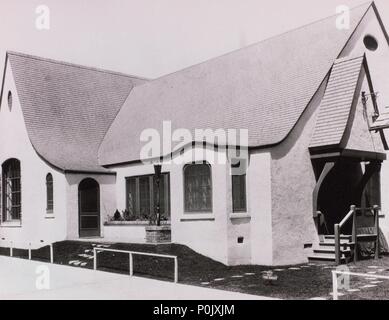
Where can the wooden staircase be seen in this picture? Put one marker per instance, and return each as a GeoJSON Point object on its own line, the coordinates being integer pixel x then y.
{"type": "Point", "coordinates": [340, 248]}
{"type": "Point", "coordinates": [325, 250]}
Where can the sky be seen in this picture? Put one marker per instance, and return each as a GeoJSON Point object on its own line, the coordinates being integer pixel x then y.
{"type": "Point", "coordinates": [151, 38]}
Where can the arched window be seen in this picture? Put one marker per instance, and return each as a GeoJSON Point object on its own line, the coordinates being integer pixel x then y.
{"type": "Point", "coordinates": [198, 188]}
{"type": "Point", "coordinates": [11, 191]}
{"type": "Point", "coordinates": [49, 193]}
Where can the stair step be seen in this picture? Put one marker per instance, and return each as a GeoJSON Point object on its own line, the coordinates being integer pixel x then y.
{"type": "Point", "coordinates": [330, 254]}
{"type": "Point", "coordinates": [332, 243]}
{"type": "Point", "coordinates": [330, 251]}
{"type": "Point", "coordinates": [342, 237]}
{"type": "Point", "coordinates": [331, 258]}
{"type": "Point", "coordinates": [367, 237]}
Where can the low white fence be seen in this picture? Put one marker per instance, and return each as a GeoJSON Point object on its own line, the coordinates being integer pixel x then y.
{"type": "Point", "coordinates": [131, 263]}
{"type": "Point", "coordinates": [11, 245]}
{"type": "Point", "coordinates": [335, 274]}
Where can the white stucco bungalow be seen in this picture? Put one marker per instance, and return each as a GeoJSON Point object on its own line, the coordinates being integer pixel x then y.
{"type": "Point", "coordinates": [71, 146]}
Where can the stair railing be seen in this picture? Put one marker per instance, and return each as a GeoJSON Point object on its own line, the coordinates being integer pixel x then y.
{"type": "Point", "coordinates": [353, 215]}
{"type": "Point", "coordinates": [376, 210]}
{"type": "Point", "coordinates": [338, 227]}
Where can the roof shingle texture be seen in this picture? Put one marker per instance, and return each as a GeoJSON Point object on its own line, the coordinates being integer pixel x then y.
{"type": "Point", "coordinates": [263, 88]}
{"type": "Point", "coordinates": [68, 108]}
{"type": "Point", "coordinates": [335, 108]}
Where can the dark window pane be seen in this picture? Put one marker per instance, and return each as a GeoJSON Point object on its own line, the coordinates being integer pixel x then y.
{"type": "Point", "coordinates": [239, 193]}
{"type": "Point", "coordinates": [198, 188]}
{"type": "Point", "coordinates": [131, 196]}
{"type": "Point", "coordinates": [142, 196]}
{"type": "Point", "coordinates": [11, 190]}
{"type": "Point", "coordinates": [49, 192]}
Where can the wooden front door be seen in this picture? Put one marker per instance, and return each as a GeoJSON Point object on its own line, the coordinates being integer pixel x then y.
{"type": "Point", "coordinates": [89, 208]}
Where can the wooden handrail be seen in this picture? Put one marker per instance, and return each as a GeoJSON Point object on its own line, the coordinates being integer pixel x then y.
{"type": "Point", "coordinates": [337, 230]}
{"type": "Point", "coordinates": [353, 214]}
{"type": "Point", "coordinates": [347, 217]}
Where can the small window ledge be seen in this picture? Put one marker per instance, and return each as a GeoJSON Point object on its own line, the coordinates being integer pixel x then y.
{"type": "Point", "coordinates": [242, 215]}
{"type": "Point", "coordinates": [11, 224]}
{"type": "Point", "coordinates": [49, 215]}
{"type": "Point", "coordinates": [197, 217]}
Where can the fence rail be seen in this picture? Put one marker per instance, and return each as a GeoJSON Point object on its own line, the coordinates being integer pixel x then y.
{"type": "Point", "coordinates": [131, 260]}
{"type": "Point", "coordinates": [335, 274]}
{"type": "Point", "coordinates": [12, 247]}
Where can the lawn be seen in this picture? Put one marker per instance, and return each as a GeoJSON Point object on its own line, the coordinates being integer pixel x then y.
{"type": "Point", "coordinates": [294, 282]}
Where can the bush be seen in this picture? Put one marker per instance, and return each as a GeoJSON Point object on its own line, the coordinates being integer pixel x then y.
{"type": "Point", "coordinates": [117, 216]}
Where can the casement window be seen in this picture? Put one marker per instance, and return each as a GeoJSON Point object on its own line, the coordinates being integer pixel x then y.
{"type": "Point", "coordinates": [49, 193]}
{"type": "Point", "coordinates": [239, 202]}
{"type": "Point", "coordinates": [198, 188]}
{"type": "Point", "coordinates": [11, 191]}
{"type": "Point", "coordinates": [141, 196]}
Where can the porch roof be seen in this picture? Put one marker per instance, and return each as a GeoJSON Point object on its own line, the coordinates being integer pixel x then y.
{"type": "Point", "coordinates": [382, 122]}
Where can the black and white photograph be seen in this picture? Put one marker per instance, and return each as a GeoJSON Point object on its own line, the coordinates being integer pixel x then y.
{"type": "Point", "coordinates": [194, 150]}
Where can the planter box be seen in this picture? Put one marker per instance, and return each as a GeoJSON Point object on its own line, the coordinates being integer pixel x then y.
{"type": "Point", "coordinates": [158, 234]}
{"type": "Point", "coordinates": [133, 223]}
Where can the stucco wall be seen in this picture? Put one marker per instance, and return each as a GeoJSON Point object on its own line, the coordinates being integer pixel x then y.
{"type": "Point", "coordinates": [204, 233]}
{"type": "Point", "coordinates": [107, 200]}
{"type": "Point", "coordinates": [260, 206]}
{"type": "Point", "coordinates": [36, 225]}
{"type": "Point", "coordinates": [216, 234]}
{"type": "Point", "coordinates": [293, 181]}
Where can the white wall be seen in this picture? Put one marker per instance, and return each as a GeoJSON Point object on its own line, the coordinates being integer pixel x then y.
{"type": "Point", "coordinates": [260, 206]}
{"type": "Point", "coordinates": [14, 143]}
{"type": "Point", "coordinates": [204, 233]}
{"type": "Point", "coordinates": [215, 234]}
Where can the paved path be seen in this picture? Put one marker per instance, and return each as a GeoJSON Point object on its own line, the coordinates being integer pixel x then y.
{"type": "Point", "coordinates": [18, 279]}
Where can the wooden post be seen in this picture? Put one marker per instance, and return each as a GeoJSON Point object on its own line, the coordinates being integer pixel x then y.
{"type": "Point", "coordinates": [377, 228]}
{"type": "Point", "coordinates": [175, 270]}
{"type": "Point", "coordinates": [337, 244]}
{"type": "Point", "coordinates": [11, 249]}
{"type": "Point", "coordinates": [334, 285]}
{"type": "Point", "coordinates": [94, 259]}
{"type": "Point", "coordinates": [131, 265]}
{"type": "Point", "coordinates": [51, 253]}
{"type": "Point", "coordinates": [354, 233]}
{"type": "Point", "coordinates": [29, 251]}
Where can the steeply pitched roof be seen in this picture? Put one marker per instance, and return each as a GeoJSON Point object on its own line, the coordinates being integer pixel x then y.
{"type": "Point", "coordinates": [335, 108]}
{"type": "Point", "coordinates": [263, 88]}
{"type": "Point", "coordinates": [68, 108]}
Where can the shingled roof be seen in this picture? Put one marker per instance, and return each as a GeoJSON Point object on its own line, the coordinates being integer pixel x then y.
{"type": "Point", "coordinates": [263, 88]}
{"type": "Point", "coordinates": [68, 108]}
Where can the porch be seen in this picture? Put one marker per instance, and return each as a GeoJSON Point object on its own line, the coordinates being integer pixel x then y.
{"type": "Point", "coordinates": [346, 206]}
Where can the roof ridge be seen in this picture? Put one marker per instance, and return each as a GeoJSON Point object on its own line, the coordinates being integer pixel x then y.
{"type": "Point", "coordinates": [71, 64]}
{"type": "Point", "coordinates": [368, 4]}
